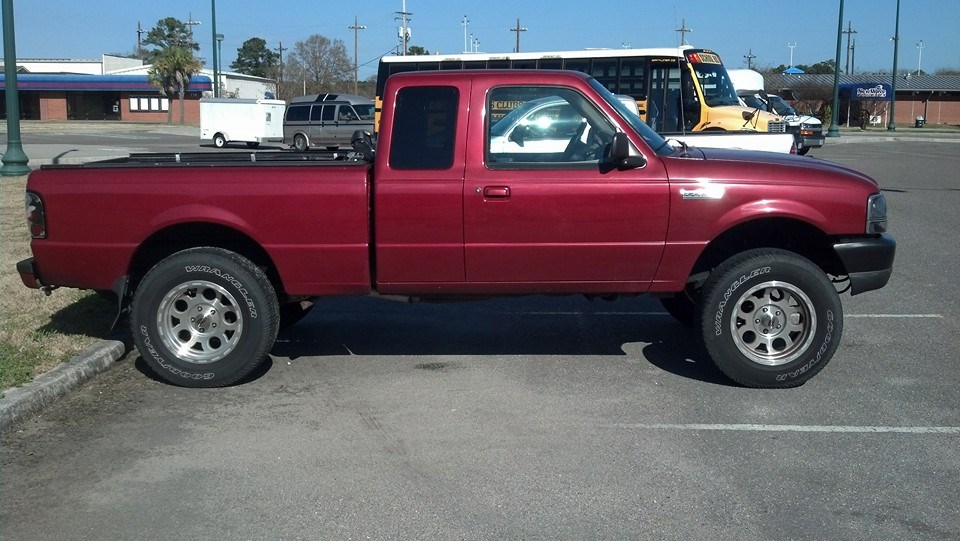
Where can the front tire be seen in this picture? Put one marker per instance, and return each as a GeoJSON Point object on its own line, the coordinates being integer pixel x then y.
{"type": "Point", "coordinates": [770, 318]}
{"type": "Point", "coordinates": [204, 317]}
{"type": "Point", "coordinates": [300, 143]}
{"type": "Point", "coordinates": [219, 140]}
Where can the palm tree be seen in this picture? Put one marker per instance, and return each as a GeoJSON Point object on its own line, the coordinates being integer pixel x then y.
{"type": "Point", "coordinates": [170, 72]}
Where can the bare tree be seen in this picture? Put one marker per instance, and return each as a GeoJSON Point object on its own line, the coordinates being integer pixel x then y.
{"type": "Point", "coordinates": [317, 65]}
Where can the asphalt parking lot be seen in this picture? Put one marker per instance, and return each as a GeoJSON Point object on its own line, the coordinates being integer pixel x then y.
{"type": "Point", "coordinates": [534, 418]}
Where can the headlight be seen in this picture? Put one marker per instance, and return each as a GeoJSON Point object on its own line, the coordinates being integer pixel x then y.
{"type": "Point", "coordinates": [36, 217]}
{"type": "Point", "coordinates": [876, 214]}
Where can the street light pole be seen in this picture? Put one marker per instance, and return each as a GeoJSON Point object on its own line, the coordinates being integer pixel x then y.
{"type": "Point", "coordinates": [216, 59]}
{"type": "Point", "coordinates": [892, 125]}
{"type": "Point", "coordinates": [834, 130]}
{"type": "Point", "coordinates": [14, 159]}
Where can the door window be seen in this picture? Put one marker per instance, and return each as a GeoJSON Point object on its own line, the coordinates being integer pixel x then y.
{"type": "Point", "coordinates": [547, 126]}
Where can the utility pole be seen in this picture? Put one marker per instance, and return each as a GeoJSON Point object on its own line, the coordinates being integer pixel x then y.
{"type": "Point", "coordinates": [920, 58]}
{"type": "Point", "coordinates": [404, 17]}
{"type": "Point", "coordinates": [750, 56]}
{"type": "Point", "coordinates": [518, 29]}
{"type": "Point", "coordinates": [190, 24]}
{"type": "Point", "coordinates": [280, 50]}
{"type": "Point", "coordinates": [139, 41]}
{"type": "Point", "coordinates": [465, 23]}
{"type": "Point", "coordinates": [853, 54]}
{"type": "Point", "coordinates": [356, 67]}
{"type": "Point", "coordinates": [849, 31]}
{"type": "Point", "coordinates": [683, 31]}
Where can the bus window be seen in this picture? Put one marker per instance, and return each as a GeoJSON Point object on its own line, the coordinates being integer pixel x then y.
{"type": "Point", "coordinates": [524, 64]}
{"type": "Point", "coordinates": [451, 65]}
{"type": "Point", "coordinates": [551, 63]}
{"type": "Point", "coordinates": [474, 65]}
{"type": "Point", "coordinates": [605, 71]}
{"type": "Point", "coordinates": [665, 96]}
{"type": "Point", "coordinates": [577, 64]}
{"type": "Point", "coordinates": [499, 64]}
{"type": "Point", "coordinates": [632, 77]}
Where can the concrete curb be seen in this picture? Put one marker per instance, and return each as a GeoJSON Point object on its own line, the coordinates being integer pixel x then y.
{"type": "Point", "coordinates": [21, 402]}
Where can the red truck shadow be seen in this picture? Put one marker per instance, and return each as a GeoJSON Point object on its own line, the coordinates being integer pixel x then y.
{"type": "Point", "coordinates": [522, 326]}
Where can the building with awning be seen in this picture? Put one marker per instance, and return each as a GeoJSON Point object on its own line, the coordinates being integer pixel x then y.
{"type": "Point", "coordinates": [65, 89]}
{"type": "Point", "coordinates": [934, 97]}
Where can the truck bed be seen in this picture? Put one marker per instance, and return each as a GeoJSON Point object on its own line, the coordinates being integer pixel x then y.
{"type": "Point", "coordinates": [245, 159]}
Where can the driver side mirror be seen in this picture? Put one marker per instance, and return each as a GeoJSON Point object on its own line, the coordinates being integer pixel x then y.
{"type": "Point", "coordinates": [618, 153]}
{"type": "Point", "coordinates": [518, 134]}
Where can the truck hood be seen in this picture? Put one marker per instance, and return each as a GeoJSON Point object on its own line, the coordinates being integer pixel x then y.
{"type": "Point", "coordinates": [753, 167]}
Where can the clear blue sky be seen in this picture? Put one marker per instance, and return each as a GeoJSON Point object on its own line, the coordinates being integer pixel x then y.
{"type": "Point", "coordinates": [85, 30]}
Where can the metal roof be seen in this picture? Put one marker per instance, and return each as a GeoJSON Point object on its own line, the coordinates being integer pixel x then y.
{"type": "Point", "coordinates": [918, 83]}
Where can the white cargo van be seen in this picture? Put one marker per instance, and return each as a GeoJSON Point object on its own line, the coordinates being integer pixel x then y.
{"type": "Point", "coordinates": [235, 120]}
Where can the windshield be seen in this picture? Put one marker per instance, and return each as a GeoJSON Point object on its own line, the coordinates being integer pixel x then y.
{"type": "Point", "coordinates": [365, 111]}
{"type": "Point", "coordinates": [781, 107]}
{"type": "Point", "coordinates": [715, 83]}
{"type": "Point", "coordinates": [652, 138]}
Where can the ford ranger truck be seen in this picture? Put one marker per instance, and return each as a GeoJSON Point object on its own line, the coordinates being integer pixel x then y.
{"type": "Point", "coordinates": [209, 254]}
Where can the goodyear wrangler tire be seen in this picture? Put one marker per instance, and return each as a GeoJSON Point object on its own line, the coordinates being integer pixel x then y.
{"type": "Point", "coordinates": [204, 317]}
{"type": "Point", "coordinates": [770, 318]}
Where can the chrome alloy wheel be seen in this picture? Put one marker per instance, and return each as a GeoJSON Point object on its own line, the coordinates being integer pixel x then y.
{"type": "Point", "coordinates": [773, 323]}
{"type": "Point", "coordinates": [200, 321]}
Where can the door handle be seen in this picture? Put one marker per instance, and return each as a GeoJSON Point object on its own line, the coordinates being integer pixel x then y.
{"type": "Point", "coordinates": [496, 192]}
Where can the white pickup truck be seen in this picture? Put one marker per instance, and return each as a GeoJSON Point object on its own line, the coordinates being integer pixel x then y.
{"type": "Point", "coordinates": [807, 130]}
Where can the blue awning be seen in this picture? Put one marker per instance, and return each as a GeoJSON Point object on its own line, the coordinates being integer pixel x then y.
{"type": "Point", "coordinates": [97, 83]}
{"type": "Point", "coordinates": [866, 91]}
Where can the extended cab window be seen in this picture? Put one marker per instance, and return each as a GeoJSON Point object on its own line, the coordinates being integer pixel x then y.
{"type": "Point", "coordinates": [544, 126]}
{"type": "Point", "coordinates": [424, 127]}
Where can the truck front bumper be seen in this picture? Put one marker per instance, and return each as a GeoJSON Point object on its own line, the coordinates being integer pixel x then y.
{"type": "Point", "coordinates": [867, 260]}
{"type": "Point", "coordinates": [811, 141]}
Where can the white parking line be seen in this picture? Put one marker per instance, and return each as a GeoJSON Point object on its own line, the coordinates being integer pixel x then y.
{"type": "Point", "coordinates": [581, 313]}
{"type": "Point", "coordinates": [881, 316]}
{"type": "Point", "coordinates": [797, 428]}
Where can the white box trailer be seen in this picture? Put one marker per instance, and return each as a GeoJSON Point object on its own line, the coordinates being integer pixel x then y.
{"type": "Point", "coordinates": [236, 120]}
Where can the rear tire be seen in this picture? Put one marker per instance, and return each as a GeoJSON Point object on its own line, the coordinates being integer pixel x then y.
{"type": "Point", "coordinates": [204, 317]}
{"type": "Point", "coordinates": [803, 150]}
{"type": "Point", "coordinates": [770, 318]}
{"type": "Point", "coordinates": [219, 140]}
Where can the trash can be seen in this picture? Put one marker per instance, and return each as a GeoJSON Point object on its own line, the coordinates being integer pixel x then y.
{"type": "Point", "coordinates": [919, 122]}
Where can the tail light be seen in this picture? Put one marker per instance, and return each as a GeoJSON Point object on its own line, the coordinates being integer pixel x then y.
{"type": "Point", "coordinates": [36, 217]}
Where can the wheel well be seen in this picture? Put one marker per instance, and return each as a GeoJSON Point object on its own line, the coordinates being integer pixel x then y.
{"type": "Point", "coordinates": [784, 233]}
{"type": "Point", "coordinates": [168, 241]}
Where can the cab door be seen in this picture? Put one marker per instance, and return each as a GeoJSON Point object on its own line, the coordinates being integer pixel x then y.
{"type": "Point", "coordinates": [417, 199]}
{"type": "Point", "coordinates": [557, 220]}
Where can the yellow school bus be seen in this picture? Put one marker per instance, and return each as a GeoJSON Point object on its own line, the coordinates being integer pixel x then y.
{"type": "Point", "coordinates": [677, 90]}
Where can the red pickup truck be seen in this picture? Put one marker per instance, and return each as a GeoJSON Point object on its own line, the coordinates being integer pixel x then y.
{"type": "Point", "coordinates": [210, 255]}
